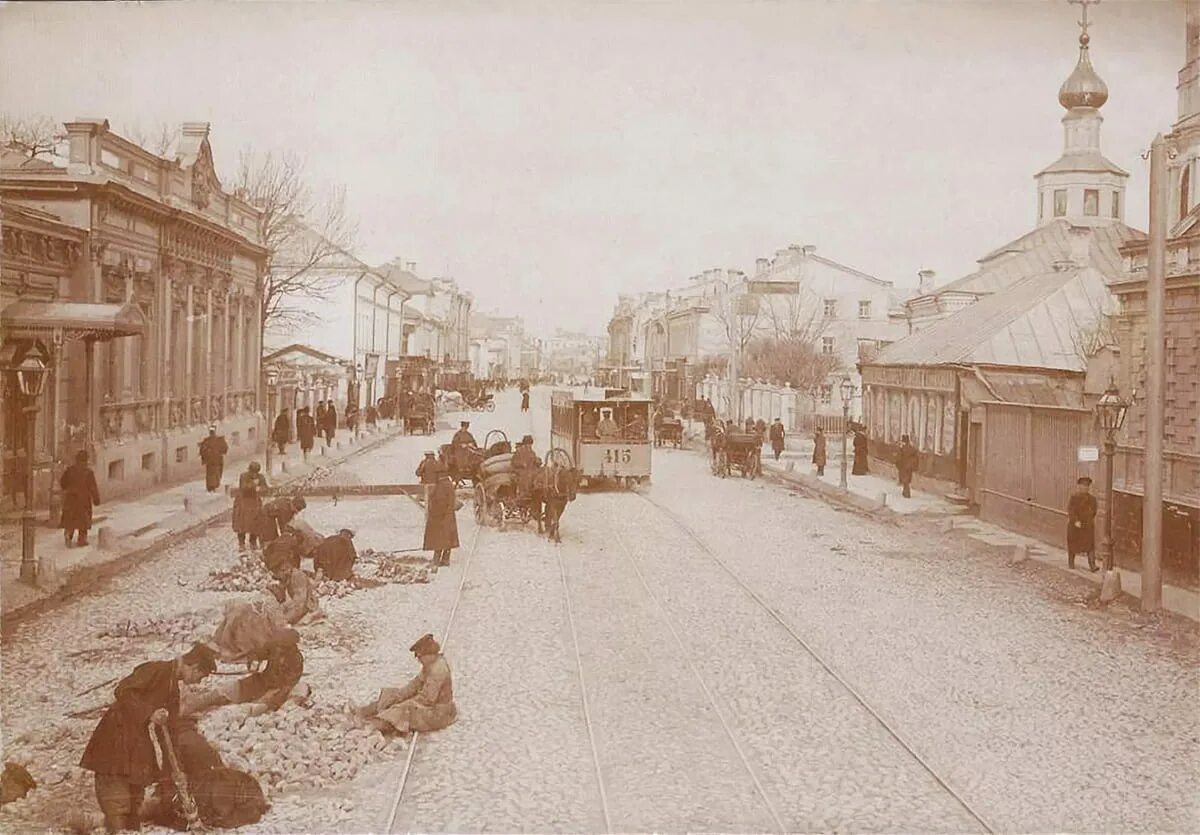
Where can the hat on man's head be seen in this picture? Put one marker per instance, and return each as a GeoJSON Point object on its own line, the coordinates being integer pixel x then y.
{"type": "Point", "coordinates": [430, 452]}
{"type": "Point", "coordinates": [347, 532]}
{"type": "Point", "coordinates": [464, 423]}
{"type": "Point", "coordinates": [255, 466]}
{"type": "Point", "coordinates": [81, 457]}
{"type": "Point", "coordinates": [212, 427]}
{"type": "Point", "coordinates": [299, 503]}
{"type": "Point", "coordinates": [904, 439]}
{"type": "Point", "coordinates": [426, 645]}
{"type": "Point", "coordinates": [528, 439]}
{"type": "Point", "coordinates": [1084, 480]}
{"type": "Point", "coordinates": [201, 657]}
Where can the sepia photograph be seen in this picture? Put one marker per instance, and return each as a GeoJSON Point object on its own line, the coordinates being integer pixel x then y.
{"type": "Point", "coordinates": [600, 416]}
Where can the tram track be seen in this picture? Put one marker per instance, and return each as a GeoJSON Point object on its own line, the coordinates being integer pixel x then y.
{"type": "Point", "coordinates": [795, 638]}
{"type": "Point", "coordinates": [414, 740]}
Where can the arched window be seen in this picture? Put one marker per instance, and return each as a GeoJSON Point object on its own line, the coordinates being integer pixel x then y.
{"type": "Point", "coordinates": [1185, 190]}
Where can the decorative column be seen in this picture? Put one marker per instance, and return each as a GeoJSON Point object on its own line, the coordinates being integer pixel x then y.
{"type": "Point", "coordinates": [128, 389]}
{"type": "Point", "coordinates": [188, 349]}
{"type": "Point", "coordinates": [226, 365]}
{"type": "Point", "coordinates": [166, 361]}
{"type": "Point", "coordinates": [208, 348]}
{"type": "Point", "coordinates": [238, 313]}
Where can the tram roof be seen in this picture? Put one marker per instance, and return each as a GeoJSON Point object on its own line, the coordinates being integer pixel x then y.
{"type": "Point", "coordinates": [595, 394]}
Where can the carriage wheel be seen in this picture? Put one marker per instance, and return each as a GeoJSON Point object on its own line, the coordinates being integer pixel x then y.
{"type": "Point", "coordinates": [480, 504]}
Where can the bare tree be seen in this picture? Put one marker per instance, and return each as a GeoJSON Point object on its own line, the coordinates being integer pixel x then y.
{"type": "Point", "coordinates": [161, 140]}
{"type": "Point", "coordinates": [306, 234]}
{"type": "Point", "coordinates": [789, 360]}
{"type": "Point", "coordinates": [33, 136]}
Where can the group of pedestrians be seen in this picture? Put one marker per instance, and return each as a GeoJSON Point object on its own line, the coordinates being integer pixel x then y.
{"type": "Point", "coordinates": [309, 426]}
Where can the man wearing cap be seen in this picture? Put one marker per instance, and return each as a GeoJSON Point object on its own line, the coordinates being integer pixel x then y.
{"type": "Point", "coordinates": [525, 464]}
{"type": "Point", "coordinates": [213, 450]}
{"type": "Point", "coordinates": [1081, 524]}
{"type": "Point", "coordinates": [775, 433]}
{"type": "Point", "coordinates": [296, 593]}
{"type": "Point", "coordinates": [607, 427]}
{"type": "Point", "coordinates": [424, 704]}
{"type": "Point", "coordinates": [463, 437]}
{"type": "Point", "coordinates": [335, 556]}
{"type": "Point", "coordinates": [248, 505]}
{"type": "Point", "coordinates": [441, 525]}
{"type": "Point", "coordinates": [430, 468]}
{"type": "Point", "coordinates": [120, 752]}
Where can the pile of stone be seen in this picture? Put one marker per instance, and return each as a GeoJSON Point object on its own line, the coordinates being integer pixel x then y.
{"type": "Point", "coordinates": [297, 748]}
{"type": "Point", "coordinates": [399, 571]}
{"type": "Point", "coordinates": [248, 575]}
{"type": "Point", "coordinates": [178, 628]}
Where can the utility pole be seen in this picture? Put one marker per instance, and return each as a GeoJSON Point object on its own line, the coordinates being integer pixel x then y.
{"type": "Point", "coordinates": [1156, 291]}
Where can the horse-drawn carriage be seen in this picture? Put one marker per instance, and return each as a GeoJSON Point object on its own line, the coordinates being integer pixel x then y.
{"type": "Point", "coordinates": [483, 401]}
{"type": "Point", "coordinates": [504, 495]}
{"type": "Point", "coordinates": [418, 415]}
{"type": "Point", "coordinates": [463, 463]}
{"type": "Point", "coordinates": [668, 430]}
{"type": "Point", "coordinates": [733, 450]}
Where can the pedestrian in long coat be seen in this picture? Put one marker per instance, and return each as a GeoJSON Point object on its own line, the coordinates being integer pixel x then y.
{"type": "Point", "coordinates": [80, 494]}
{"type": "Point", "coordinates": [1081, 524]}
{"type": "Point", "coordinates": [441, 525]}
{"type": "Point", "coordinates": [120, 752]}
{"type": "Point", "coordinates": [282, 431]}
{"type": "Point", "coordinates": [776, 433]}
{"type": "Point", "coordinates": [818, 458]}
{"type": "Point", "coordinates": [213, 450]}
{"type": "Point", "coordinates": [329, 427]}
{"type": "Point", "coordinates": [860, 452]}
{"type": "Point", "coordinates": [248, 505]}
{"type": "Point", "coordinates": [306, 431]}
{"type": "Point", "coordinates": [320, 416]}
{"type": "Point", "coordinates": [907, 461]}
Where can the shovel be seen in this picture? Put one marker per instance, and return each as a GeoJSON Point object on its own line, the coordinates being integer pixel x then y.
{"type": "Point", "coordinates": [187, 804]}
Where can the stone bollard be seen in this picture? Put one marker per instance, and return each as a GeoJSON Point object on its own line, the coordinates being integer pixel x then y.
{"type": "Point", "coordinates": [339, 444]}
{"type": "Point", "coordinates": [283, 467]}
{"type": "Point", "coordinates": [1110, 587]}
{"type": "Point", "coordinates": [790, 466]}
{"type": "Point", "coordinates": [1018, 554]}
{"type": "Point", "coordinates": [948, 526]}
{"type": "Point", "coordinates": [47, 572]}
{"type": "Point", "coordinates": [187, 504]}
{"type": "Point", "coordinates": [322, 450]}
{"type": "Point", "coordinates": [882, 500]}
{"type": "Point", "coordinates": [105, 538]}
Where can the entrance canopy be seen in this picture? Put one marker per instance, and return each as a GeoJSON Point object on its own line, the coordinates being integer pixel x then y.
{"type": "Point", "coordinates": [80, 320]}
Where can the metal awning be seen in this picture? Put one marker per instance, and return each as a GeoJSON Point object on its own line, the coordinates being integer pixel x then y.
{"type": "Point", "coordinates": [85, 320]}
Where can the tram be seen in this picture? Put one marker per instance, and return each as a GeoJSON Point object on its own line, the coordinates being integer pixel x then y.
{"type": "Point", "coordinates": [606, 431]}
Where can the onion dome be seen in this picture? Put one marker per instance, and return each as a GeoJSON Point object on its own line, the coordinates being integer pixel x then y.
{"type": "Point", "coordinates": [1083, 88]}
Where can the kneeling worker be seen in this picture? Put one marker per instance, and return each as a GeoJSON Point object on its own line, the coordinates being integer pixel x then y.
{"type": "Point", "coordinates": [424, 704]}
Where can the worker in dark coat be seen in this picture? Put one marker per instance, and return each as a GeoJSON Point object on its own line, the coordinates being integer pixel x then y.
{"type": "Point", "coordinates": [276, 515]}
{"type": "Point", "coordinates": [213, 450]}
{"type": "Point", "coordinates": [80, 494]}
{"type": "Point", "coordinates": [248, 505]}
{"type": "Point", "coordinates": [441, 525]}
{"type": "Point", "coordinates": [336, 555]}
{"type": "Point", "coordinates": [525, 463]}
{"type": "Point", "coordinates": [430, 468]}
{"type": "Point", "coordinates": [860, 451]}
{"type": "Point", "coordinates": [1081, 524]}
{"type": "Point", "coordinates": [818, 458]}
{"type": "Point", "coordinates": [329, 424]}
{"type": "Point", "coordinates": [319, 417]}
{"type": "Point", "coordinates": [306, 431]}
{"type": "Point", "coordinates": [907, 460]}
{"type": "Point", "coordinates": [282, 431]}
{"type": "Point", "coordinates": [463, 437]}
{"type": "Point", "coordinates": [120, 752]}
{"type": "Point", "coordinates": [775, 433]}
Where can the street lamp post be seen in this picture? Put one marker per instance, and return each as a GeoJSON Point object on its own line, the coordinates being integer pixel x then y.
{"type": "Point", "coordinates": [1110, 414]}
{"type": "Point", "coordinates": [847, 391]}
{"type": "Point", "coordinates": [272, 407]}
{"type": "Point", "coordinates": [27, 364]}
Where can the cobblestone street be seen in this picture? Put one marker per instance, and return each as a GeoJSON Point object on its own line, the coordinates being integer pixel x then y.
{"type": "Point", "coordinates": [703, 711]}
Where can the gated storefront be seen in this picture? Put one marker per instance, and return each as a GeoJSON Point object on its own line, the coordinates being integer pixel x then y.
{"type": "Point", "coordinates": [1031, 460]}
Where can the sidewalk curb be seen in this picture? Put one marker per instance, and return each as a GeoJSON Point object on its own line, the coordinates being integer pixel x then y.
{"type": "Point", "coordinates": [86, 577]}
{"type": "Point", "coordinates": [835, 495]}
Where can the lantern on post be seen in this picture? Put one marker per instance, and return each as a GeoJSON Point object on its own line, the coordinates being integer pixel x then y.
{"type": "Point", "coordinates": [27, 364]}
{"type": "Point", "coordinates": [846, 389]}
{"type": "Point", "coordinates": [1110, 415]}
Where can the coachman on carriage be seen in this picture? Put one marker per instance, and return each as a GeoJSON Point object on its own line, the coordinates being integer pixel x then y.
{"type": "Point", "coordinates": [517, 486]}
{"type": "Point", "coordinates": [734, 450]}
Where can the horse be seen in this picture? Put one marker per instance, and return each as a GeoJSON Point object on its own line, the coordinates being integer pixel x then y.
{"type": "Point", "coordinates": [554, 486]}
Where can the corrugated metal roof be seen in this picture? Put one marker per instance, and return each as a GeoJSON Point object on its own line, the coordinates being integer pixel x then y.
{"type": "Point", "coordinates": [1037, 250]}
{"type": "Point", "coordinates": [1037, 322]}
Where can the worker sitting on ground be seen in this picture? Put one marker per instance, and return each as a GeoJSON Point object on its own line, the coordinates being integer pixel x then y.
{"type": "Point", "coordinates": [424, 704]}
{"type": "Point", "coordinates": [268, 687]}
{"type": "Point", "coordinates": [607, 427]}
{"type": "Point", "coordinates": [297, 593]}
{"type": "Point", "coordinates": [335, 556]}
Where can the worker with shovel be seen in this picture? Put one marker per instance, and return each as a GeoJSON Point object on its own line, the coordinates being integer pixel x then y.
{"type": "Point", "coordinates": [121, 751]}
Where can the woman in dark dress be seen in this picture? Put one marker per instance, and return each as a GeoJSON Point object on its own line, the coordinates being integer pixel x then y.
{"type": "Point", "coordinates": [860, 451]}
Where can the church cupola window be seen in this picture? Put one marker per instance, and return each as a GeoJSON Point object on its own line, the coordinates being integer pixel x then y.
{"type": "Point", "coordinates": [1116, 204]}
{"type": "Point", "coordinates": [1091, 202]}
{"type": "Point", "coordinates": [1060, 202]}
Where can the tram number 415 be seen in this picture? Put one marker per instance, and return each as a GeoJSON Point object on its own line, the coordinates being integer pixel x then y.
{"type": "Point", "coordinates": [618, 456]}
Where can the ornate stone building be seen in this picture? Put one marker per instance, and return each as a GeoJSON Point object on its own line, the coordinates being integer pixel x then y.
{"type": "Point", "coordinates": [161, 241]}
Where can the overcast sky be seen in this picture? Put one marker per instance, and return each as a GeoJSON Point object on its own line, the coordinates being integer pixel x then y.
{"type": "Point", "coordinates": [551, 155]}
